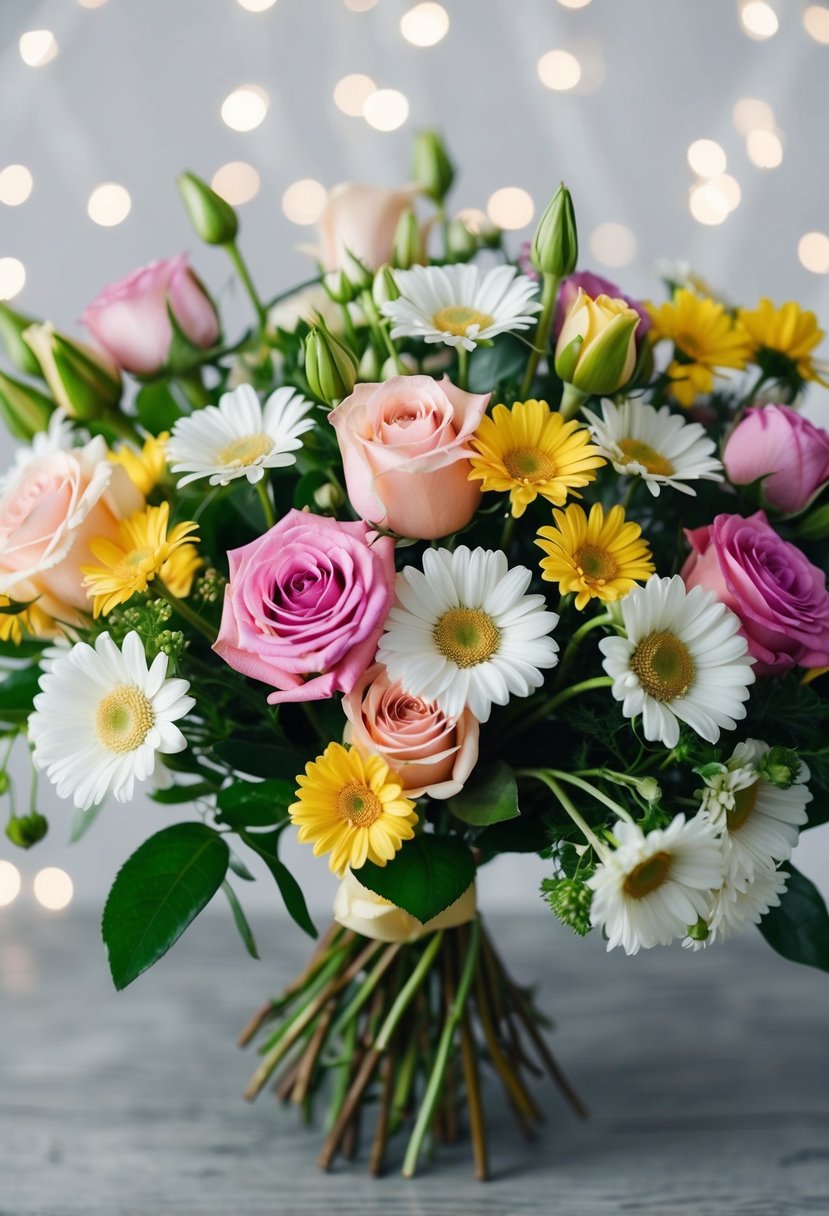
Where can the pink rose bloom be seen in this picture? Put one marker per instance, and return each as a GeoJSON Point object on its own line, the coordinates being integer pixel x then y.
{"type": "Point", "coordinates": [305, 606]}
{"type": "Point", "coordinates": [52, 506]}
{"type": "Point", "coordinates": [430, 753]}
{"type": "Point", "coordinates": [779, 596]}
{"type": "Point", "coordinates": [129, 319]}
{"type": "Point", "coordinates": [361, 220]}
{"type": "Point", "coordinates": [405, 454]}
{"type": "Point", "coordinates": [776, 440]}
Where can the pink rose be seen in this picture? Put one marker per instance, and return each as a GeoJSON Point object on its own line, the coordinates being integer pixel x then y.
{"type": "Point", "coordinates": [776, 440]}
{"type": "Point", "coordinates": [361, 220]}
{"type": "Point", "coordinates": [129, 319]}
{"type": "Point", "coordinates": [405, 454]}
{"type": "Point", "coordinates": [52, 507]}
{"type": "Point", "coordinates": [430, 753]}
{"type": "Point", "coordinates": [779, 596]}
{"type": "Point", "coordinates": [305, 606]}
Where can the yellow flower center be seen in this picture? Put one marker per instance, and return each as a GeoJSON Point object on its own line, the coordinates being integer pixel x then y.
{"type": "Point", "coordinates": [244, 451]}
{"type": "Point", "coordinates": [744, 802]}
{"type": "Point", "coordinates": [637, 452]}
{"type": "Point", "coordinates": [647, 876]}
{"type": "Point", "coordinates": [467, 636]}
{"type": "Point", "coordinates": [358, 805]}
{"type": "Point", "coordinates": [529, 465]}
{"type": "Point", "coordinates": [144, 560]}
{"type": "Point", "coordinates": [123, 719]}
{"type": "Point", "coordinates": [664, 666]}
{"type": "Point", "coordinates": [456, 319]}
{"type": "Point", "coordinates": [596, 564]}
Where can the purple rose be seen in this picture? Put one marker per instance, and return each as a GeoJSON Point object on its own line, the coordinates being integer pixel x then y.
{"type": "Point", "coordinates": [777, 443]}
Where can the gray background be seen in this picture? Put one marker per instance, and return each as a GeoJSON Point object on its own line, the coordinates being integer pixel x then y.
{"type": "Point", "coordinates": [134, 96]}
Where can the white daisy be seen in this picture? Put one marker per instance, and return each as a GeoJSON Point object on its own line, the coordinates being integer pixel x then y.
{"type": "Point", "coordinates": [651, 888]}
{"type": "Point", "coordinates": [735, 909]}
{"type": "Point", "coordinates": [463, 633]}
{"type": "Point", "coordinates": [239, 437]}
{"type": "Point", "coordinates": [657, 445]}
{"type": "Point", "coordinates": [683, 658]}
{"type": "Point", "coordinates": [461, 305]}
{"type": "Point", "coordinates": [102, 715]}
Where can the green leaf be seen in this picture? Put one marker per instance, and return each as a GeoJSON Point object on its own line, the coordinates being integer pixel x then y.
{"type": "Point", "coordinates": [259, 804]}
{"type": "Point", "coordinates": [157, 893]}
{"type": "Point", "coordinates": [258, 759]}
{"type": "Point", "coordinates": [504, 360]}
{"type": "Point", "coordinates": [17, 694]}
{"type": "Point", "coordinates": [15, 607]}
{"type": "Point", "coordinates": [799, 928]}
{"type": "Point", "coordinates": [307, 487]}
{"type": "Point", "coordinates": [529, 834]}
{"type": "Point", "coordinates": [82, 821]}
{"type": "Point", "coordinates": [245, 931]}
{"type": "Point", "coordinates": [157, 408]}
{"type": "Point", "coordinates": [174, 795]}
{"type": "Point", "coordinates": [265, 844]}
{"type": "Point", "coordinates": [427, 875]}
{"type": "Point", "coordinates": [490, 796]}
{"type": "Point", "coordinates": [239, 868]}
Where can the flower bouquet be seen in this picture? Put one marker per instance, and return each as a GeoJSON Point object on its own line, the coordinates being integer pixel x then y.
{"type": "Point", "coordinates": [448, 556]}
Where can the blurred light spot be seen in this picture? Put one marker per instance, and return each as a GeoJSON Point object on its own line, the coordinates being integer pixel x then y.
{"type": "Point", "coordinates": [109, 204]}
{"type": "Point", "coordinates": [53, 888]}
{"type": "Point", "coordinates": [237, 182]}
{"type": "Point", "coordinates": [706, 157]}
{"type": "Point", "coordinates": [559, 70]}
{"type": "Point", "coordinates": [730, 188]}
{"type": "Point", "coordinates": [475, 220]}
{"type": "Point", "coordinates": [613, 244]}
{"type": "Point", "coordinates": [245, 108]}
{"type": "Point", "coordinates": [38, 47]}
{"type": "Point", "coordinates": [92, 3]}
{"type": "Point", "coordinates": [510, 207]}
{"type": "Point", "coordinates": [765, 149]}
{"type": "Point", "coordinates": [574, 3]}
{"type": "Point", "coordinates": [816, 23]}
{"type": "Point", "coordinates": [385, 109]}
{"type": "Point", "coordinates": [425, 24]}
{"type": "Point", "coordinates": [256, 6]}
{"type": "Point", "coordinates": [12, 277]}
{"type": "Point", "coordinates": [360, 6]}
{"type": "Point", "coordinates": [9, 883]}
{"type": "Point", "coordinates": [759, 20]}
{"type": "Point", "coordinates": [751, 114]}
{"type": "Point", "coordinates": [17, 967]}
{"type": "Point", "coordinates": [352, 92]}
{"type": "Point", "coordinates": [708, 203]}
{"type": "Point", "coordinates": [15, 185]}
{"type": "Point", "coordinates": [303, 202]}
{"type": "Point", "coordinates": [813, 251]}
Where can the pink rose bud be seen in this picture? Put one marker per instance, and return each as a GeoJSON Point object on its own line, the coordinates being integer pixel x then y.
{"type": "Point", "coordinates": [305, 606]}
{"type": "Point", "coordinates": [779, 596]}
{"type": "Point", "coordinates": [404, 445]}
{"type": "Point", "coordinates": [781, 446]}
{"type": "Point", "coordinates": [430, 753]}
{"type": "Point", "coordinates": [360, 220]}
{"type": "Point", "coordinates": [129, 319]}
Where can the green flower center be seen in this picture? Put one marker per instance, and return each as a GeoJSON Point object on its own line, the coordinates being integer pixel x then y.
{"type": "Point", "coordinates": [123, 719]}
{"type": "Point", "coordinates": [467, 636]}
{"type": "Point", "coordinates": [596, 564]}
{"type": "Point", "coordinates": [529, 465]}
{"type": "Point", "coordinates": [664, 666]}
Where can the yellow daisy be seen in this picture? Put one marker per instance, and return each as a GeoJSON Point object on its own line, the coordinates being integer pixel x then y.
{"type": "Point", "coordinates": [31, 622]}
{"type": "Point", "coordinates": [529, 450]}
{"type": "Point", "coordinates": [705, 337]}
{"type": "Point", "coordinates": [180, 569]}
{"type": "Point", "coordinates": [131, 563]}
{"type": "Point", "coordinates": [352, 807]}
{"type": "Point", "coordinates": [784, 339]}
{"type": "Point", "coordinates": [598, 557]}
{"type": "Point", "coordinates": [145, 468]}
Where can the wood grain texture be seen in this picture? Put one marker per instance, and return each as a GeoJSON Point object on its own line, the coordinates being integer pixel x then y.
{"type": "Point", "coordinates": [707, 1075]}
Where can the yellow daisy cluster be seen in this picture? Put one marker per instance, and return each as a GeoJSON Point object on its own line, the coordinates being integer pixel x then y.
{"type": "Point", "coordinates": [706, 340]}
{"type": "Point", "coordinates": [145, 468]}
{"type": "Point", "coordinates": [31, 621]}
{"type": "Point", "coordinates": [597, 556]}
{"type": "Point", "coordinates": [783, 336]}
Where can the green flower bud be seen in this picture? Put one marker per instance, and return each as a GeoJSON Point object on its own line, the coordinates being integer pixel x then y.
{"type": "Point", "coordinates": [596, 349]}
{"type": "Point", "coordinates": [407, 246]}
{"type": "Point", "coordinates": [4, 781]}
{"type": "Point", "coordinates": [213, 219]}
{"type": "Point", "coordinates": [815, 525]}
{"type": "Point", "coordinates": [369, 370]}
{"type": "Point", "coordinates": [330, 367]}
{"type": "Point", "coordinates": [649, 789]}
{"type": "Point", "coordinates": [338, 287]}
{"type": "Point", "coordinates": [570, 900]}
{"type": "Point", "coordinates": [460, 242]}
{"type": "Point", "coordinates": [431, 167]}
{"type": "Point", "coordinates": [26, 830]}
{"type": "Point", "coordinates": [83, 381]}
{"type": "Point", "coordinates": [357, 271]}
{"type": "Point", "coordinates": [699, 932]}
{"type": "Point", "coordinates": [408, 366]}
{"type": "Point", "coordinates": [555, 247]}
{"type": "Point", "coordinates": [384, 288]}
{"type": "Point", "coordinates": [781, 766]}
{"type": "Point", "coordinates": [328, 496]}
{"type": "Point", "coordinates": [12, 327]}
{"type": "Point", "coordinates": [24, 409]}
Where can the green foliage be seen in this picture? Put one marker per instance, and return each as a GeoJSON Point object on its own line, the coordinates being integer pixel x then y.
{"type": "Point", "coordinates": [26, 830]}
{"type": "Point", "coordinates": [570, 900]}
{"type": "Point", "coordinates": [502, 362]}
{"type": "Point", "coordinates": [255, 804]}
{"type": "Point", "coordinates": [259, 759]}
{"type": "Point", "coordinates": [799, 928]}
{"type": "Point", "coordinates": [240, 920]}
{"type": "Point", "coordinates": [427, 875]}
{"type": "Point", "coordinates": [156, 407]}
{"type": "Point", "coordinates": [490, 796]}
{"type": "Point", "coordinates": [17, 694]}
{"type": "Point", "coordinates": [266, 844]}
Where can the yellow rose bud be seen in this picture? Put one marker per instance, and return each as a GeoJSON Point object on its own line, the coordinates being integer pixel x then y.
{"type": "Point", "coordinates": [596, 349]}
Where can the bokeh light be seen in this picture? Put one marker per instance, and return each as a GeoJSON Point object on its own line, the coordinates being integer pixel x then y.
{"type": "Point", "coordinates": [53, 888]}
{"type": "Point", "coordinates": [752, 114]}
{"type": "Point", "coordinates": [12, 277]}
{"type": "Point", "coordinates": [15, 185]}
{"type": "Point", "coordinates": [92, 3]}
{"type": "Point", "coordinates": [256, 6]}
{"type": "Point", "coordinates": [303, 201]}
{"type": "Point", "coordinates": [813, 251]}
{"type": "Point", "coordinates": [765, 149]}
{"type": "Point", "coordinates": [38, 47]}
{"type": "Point", "coordinates": [352, 92]}
{"type": "Point", "coordinates": [109, 204]}
{"type": "Point", "coordinates": [613, 244]}
{"type": "Point", "coordinates": [706, 157]}
{"type": "Point", "coordinates": [237, 182]}
{"type": "Point", "coordinates": [559, 70]}
{"type": "Point", "coordinates": [425, 24]}
{"type": "Point", "coordinates": [759, 20]}
{"type": "Point", "coordinates": [386, 109]}
{"type": "Point", "coordinates": [510, 207]}
{"type": "Point", "coordinates": [574, 3]}
{"type": "Point", "coordinates": [245, 108]}
{"type": "Point", "coordinates": [360, 6]}
{"type": "Point", "coordinates": [9, 883]}
{"type": "Point", "coordinates": [730, 188]}
{"type": "Point", "coordinates": [816, 23]}
{"type": "Point", "coordinates": [708, 203]}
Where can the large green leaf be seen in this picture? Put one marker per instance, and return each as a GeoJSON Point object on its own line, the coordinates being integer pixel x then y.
{"type": "Point", "coordinates": [157, 893]}
{"type": "Point", "coordinates": [799, 928]}
{"type": "Point", "coordinates": [427, 875]}
{"type": "Point", "coordinates": [156, 407]}
{"type": "Point", "coordinates": [250, 804]}
{"type": "Point", "coordinates": [490, 796]}
{"type": "Point", "coordinates": [266, 844]}
{"type": "Point", "coordinates": [240, 920]}
{"type": "Point", "coordinates": [17, 694]}
{"type": "Point", "coordinates": [259, 759]}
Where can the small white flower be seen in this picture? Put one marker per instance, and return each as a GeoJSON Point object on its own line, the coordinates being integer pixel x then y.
{"type": "Point", "coordinates": [657, 445]}
{"type": "Point", "coordinates": [58, 437]}
{"type": "Point", "coordinates": [461, 305]}
{"type": "Point", "coordinates": [463, 633]}
{"type": "Point", "coordinates": [102, 716]}
{"type": "Point", "coordinates": [683, 658]}
{"type": "Point", "coordinates": [651, 888]}
{"type": "Point", "coordinates": [239, 437]}
{"type": "Point", "coordinates": [735, 909]}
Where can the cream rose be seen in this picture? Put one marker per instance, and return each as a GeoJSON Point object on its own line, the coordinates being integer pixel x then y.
{"type": "Point", "coordinates": [360, 220]}
{"type": "Point", "coordinates": [357, 908]}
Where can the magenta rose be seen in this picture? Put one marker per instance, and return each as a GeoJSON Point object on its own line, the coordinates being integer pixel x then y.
{"type": "Point", "coordinates": [305, 605]}
{"type": "Point", "coordinates": [129, 319]}
{"type": "Point", "coordinates": [779, 596]}
{"type": "Point", "coordinates": [783, 447]}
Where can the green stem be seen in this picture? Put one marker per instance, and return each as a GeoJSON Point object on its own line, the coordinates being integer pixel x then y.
{"type": "Point", "coordinates": [507, 534]}
{"type": "Point", "coordinates": [592, 790]}
{"type": "Point", "coordinates": [544, 776]}
{"type": "Point", "coordinates": [192, 386]}
{"type": "Point", "coordinates": [604, 618]}
{"type": "Point", "coordinates": [241, 268]}
{"type": "Point", "coordinates": [553, 702]}
{"type": "Point", "coordinates": [571, 402]}
{"type": "Point", "coordinates": [631, 493]}
{"type": "Point", "coordinates": [267, 505]}
{"type": "Point", "coordinates": [380, 330]}
{"type": "Point", "coordinates": [186, 612]}
{"type": "Point", "coordinates": [463, 366]}
{"type": "Point", "coordinates": [541, 341]}
{"type": "Point", "coordinates": [406, 993]}
{"type": "Point", "coordinates": [348, 327]}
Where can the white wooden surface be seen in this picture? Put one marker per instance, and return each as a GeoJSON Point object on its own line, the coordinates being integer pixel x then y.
{"type": "Point", "coordinates": [708, 1077]}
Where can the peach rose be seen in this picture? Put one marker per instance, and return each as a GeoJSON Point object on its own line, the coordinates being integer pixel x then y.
{"type": "Point", "coordinates": [360, 219]}
{"type": "Point", "coordinates": [358, 908]}
{"type": "Point", "coordinates": [405, 454]}
{"type": "Point", "coordinates": [430, 753]}
{"type": "Point", "coordinates": [51, 508]}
